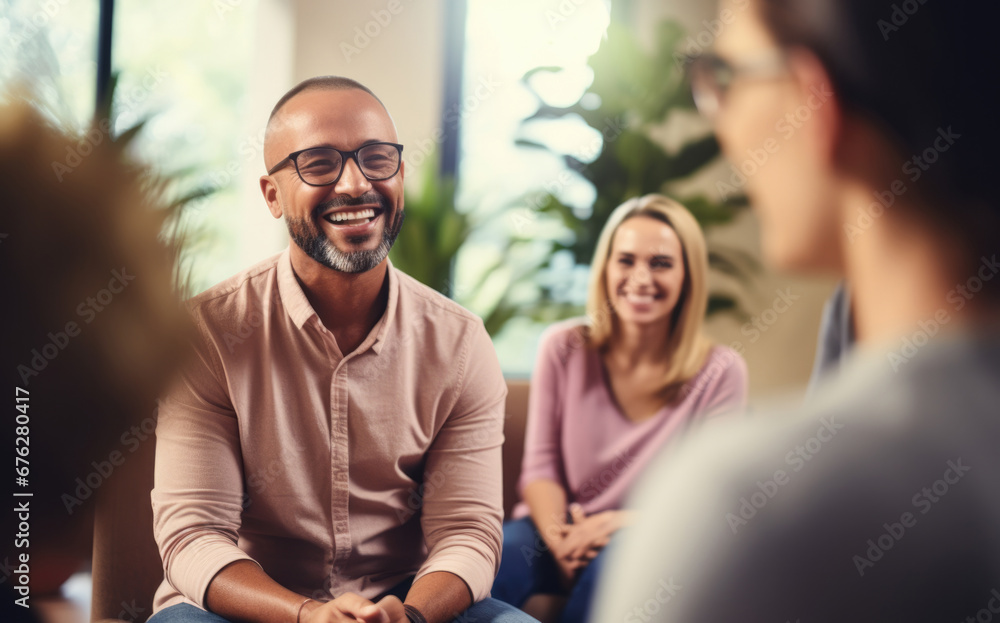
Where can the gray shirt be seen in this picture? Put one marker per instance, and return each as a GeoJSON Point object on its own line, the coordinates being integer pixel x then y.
{"type": "Point", "coordinates": [878, 501]}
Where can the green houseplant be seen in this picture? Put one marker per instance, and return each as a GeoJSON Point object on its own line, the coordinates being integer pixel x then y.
{"type": "Point", "coordinates": [637, 92]}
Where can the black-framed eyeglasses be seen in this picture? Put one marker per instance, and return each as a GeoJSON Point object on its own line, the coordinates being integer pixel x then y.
{"type": "Point", "coordinates": [711, 76]}
{"type": "Point", "coordinates": [322, 166]}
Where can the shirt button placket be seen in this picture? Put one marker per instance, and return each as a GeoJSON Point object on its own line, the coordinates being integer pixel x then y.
{"type": "Point", "coordinates": [340, 457]}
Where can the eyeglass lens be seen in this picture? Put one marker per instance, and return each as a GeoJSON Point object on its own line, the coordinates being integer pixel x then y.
{"type": "Point", "coordinates": [710, 79]}
{"type": "Point", "coordinates": [323, 165]}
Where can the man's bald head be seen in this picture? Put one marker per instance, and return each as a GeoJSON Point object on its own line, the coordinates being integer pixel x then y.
{"type": "Point", "coordinates": [318, 83]}
{"type": "Point", "coordinates": [330, 83]}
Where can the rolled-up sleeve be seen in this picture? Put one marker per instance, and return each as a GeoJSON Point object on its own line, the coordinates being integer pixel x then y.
{"type": "Point", "coordinates": [198, 488]}
{"type": "Point", "coordinates": [463, 510]}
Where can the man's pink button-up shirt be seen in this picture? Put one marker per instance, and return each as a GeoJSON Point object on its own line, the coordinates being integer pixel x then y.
{"type": "Point", "coordinates": [334, 473]}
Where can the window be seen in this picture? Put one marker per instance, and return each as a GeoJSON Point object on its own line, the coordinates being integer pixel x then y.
{"type": "Point", "coordinates": [499, 180]}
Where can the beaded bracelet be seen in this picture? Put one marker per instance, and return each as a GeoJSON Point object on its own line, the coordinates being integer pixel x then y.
{"type": "Point", "coordinates": [413, 614]}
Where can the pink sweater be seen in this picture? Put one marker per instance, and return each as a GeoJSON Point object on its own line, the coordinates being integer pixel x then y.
{"type": "Point", "coordinates": [578, 437]}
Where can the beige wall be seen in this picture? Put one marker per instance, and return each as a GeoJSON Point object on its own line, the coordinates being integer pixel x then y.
{"type": "Point", "coordinates": [298, 39]}
{"type": "Point", "coordinates": [780, 346]}
{"type": "Point", "coordinates": [270, 76]}
{"type": "Point", "coordinates": [402, 63]}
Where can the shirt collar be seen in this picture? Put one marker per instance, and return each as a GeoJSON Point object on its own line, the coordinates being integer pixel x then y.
{"type": "Point", "coordinates": [382, 328]}
{"type": "Point", "coordinates": [292, 296]}
{"type": "Point", "coordinates": [300, 310]}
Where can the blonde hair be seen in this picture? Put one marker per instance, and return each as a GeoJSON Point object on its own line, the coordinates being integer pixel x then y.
{"type": "Point", "coordinates": [687, 346]}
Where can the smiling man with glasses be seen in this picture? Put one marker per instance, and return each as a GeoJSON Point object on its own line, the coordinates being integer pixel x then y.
{"type": "Point", "coordinates": [334, 449]}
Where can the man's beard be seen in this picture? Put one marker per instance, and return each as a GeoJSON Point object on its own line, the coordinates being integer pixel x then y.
{"type": "Point", "coordinates": [317, 246]}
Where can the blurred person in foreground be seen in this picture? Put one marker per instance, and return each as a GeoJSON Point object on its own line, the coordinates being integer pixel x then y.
{"type": "Point", "coordinates": [335, 450]}
{"type": "Point", "coordinates": [91, 334]}
{"type": "Point", "coordinates": [879, 500]}
{"type": "Point", "coordinates": [608, 393]}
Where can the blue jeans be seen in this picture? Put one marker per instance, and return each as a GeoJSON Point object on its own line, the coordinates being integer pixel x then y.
{"type": "Point", "coordinates": [486, 611]}
{"type": "Point", "coordinates": [528, 568]}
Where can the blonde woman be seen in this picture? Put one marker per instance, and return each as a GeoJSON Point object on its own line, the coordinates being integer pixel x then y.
{"type": "Point", "coordinates": [608, 392]}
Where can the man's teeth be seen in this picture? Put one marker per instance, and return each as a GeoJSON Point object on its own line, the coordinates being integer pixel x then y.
{"type": "Point", "coordinates": [350, 216]}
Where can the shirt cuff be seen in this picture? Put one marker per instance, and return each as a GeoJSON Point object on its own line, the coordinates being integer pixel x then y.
{"type": "Point", "coordinates": [473, 569]}
{"type": "Point", "coordinates": [193, 571]}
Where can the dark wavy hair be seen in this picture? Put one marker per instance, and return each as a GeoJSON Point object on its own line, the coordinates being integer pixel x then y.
{"type": "Point", "coordinates": [914, 67]}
